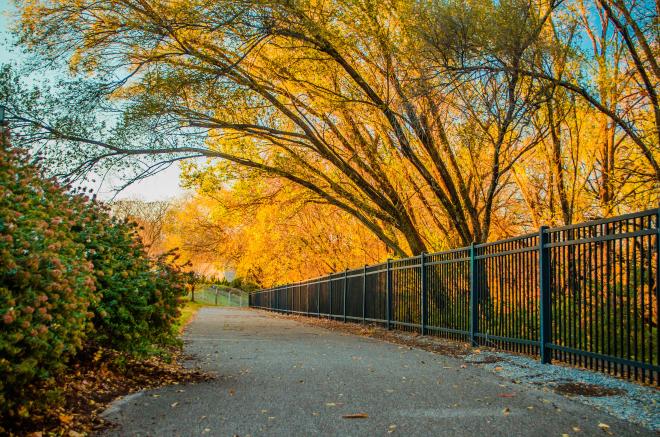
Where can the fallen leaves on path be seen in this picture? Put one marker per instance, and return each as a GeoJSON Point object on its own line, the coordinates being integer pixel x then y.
{"type": "Point", "coordinates": [356, 416]}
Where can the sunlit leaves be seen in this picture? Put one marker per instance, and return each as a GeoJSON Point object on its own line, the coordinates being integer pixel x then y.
{"type": "Point", "coordinates": [427, 122]}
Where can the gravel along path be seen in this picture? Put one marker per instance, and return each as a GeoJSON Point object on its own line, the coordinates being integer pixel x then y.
{"type": "Point", "coordinates": [279, 377]}
{"type": "Point", "coordinates": [622, 399]}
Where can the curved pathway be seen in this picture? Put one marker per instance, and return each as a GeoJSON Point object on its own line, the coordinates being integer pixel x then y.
{"type": "Point", "coordinates": [278, 377]}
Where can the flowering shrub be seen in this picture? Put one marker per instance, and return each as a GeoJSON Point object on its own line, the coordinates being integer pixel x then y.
{"type": "Point", "coordinates": [46, 282]}
{"type": "Point", "coordinates": [69, 274]}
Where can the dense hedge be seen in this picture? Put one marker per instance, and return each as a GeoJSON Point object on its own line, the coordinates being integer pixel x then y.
{"type": "Point", "coordinates": [70, 275]}
{"type": "Point", "coordinates": [139, 296]}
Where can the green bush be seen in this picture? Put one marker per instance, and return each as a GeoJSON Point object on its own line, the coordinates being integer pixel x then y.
{"type": "Point", "coordinates": [139, 296]}
{"type": "Point", "coordinates": [70, 275]}
{"type": "Point", "coordinates": [46, 282]}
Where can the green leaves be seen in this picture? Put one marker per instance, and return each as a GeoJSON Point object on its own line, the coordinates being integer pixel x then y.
{"type": "Point", "coordinates": [70, 274]}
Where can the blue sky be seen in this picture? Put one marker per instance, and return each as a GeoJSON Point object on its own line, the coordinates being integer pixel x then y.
{"type": "Point", "coordinates": [162, 186]}
{"type": "Point", "coordinates": [5, 8]}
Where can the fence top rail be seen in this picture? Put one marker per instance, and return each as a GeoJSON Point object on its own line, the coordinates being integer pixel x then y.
{"type": "Point", "coordinates": [409, 262]}
{"type": "Point", "coordinates": [632, 215]}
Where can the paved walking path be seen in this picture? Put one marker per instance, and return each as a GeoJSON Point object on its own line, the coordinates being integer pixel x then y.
{"type": "Point", "coordinates": [278, 377]}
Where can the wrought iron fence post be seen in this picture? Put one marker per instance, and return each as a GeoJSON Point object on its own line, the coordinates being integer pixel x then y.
{"type": "Point", "coordinates": [657, 264]}
{"type": "Point", "coordinates": [364, 293]}
{"type": "Point", "coordinates": [388, 290]}
{"type": "Point", "coordinates": [344, 293]}
{"type": "Point", "coordinates": [424, 310]}
{"type": "Point", "coordinates": [286, 297]}
{"type": "Point", "coordinates": [474, 326]}
{"type": "Point", "coordinates": [318, 299]}
{"type": "Point", "coordinates": [544, 298]}
{"type": "Point", "coordinates": [330, 297]}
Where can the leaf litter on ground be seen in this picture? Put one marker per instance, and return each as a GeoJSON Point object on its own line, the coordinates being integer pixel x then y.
{"type": "Point", "coordinates": [97, 377]}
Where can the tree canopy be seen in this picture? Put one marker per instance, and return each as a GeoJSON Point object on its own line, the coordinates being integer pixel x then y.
{"type": "Point", "coordinates": [431, 123]}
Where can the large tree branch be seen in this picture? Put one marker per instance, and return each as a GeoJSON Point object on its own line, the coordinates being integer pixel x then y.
{"type": "Point", "coordinates": [124, 151]}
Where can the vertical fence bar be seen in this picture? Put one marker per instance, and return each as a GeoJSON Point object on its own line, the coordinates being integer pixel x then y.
{"type": "Point", "coordinates": [544, 298]}
{"type": "Point", "coordinates": [657, 291]}
{"type": "Point", "coordinates": [388, 291]}
{"type": "Point", "coordinates": [424, 312]}
{"type": "Point", "coordinates": [318, 299]}
{"type": "Point", "coordinates": [330, 297]}
{"type": "Point", "coordinates": [343, 301]}
{"type": "Point", "coordinates": [364, 293]}
{"type": "Point", "coordinates": [473, 297]}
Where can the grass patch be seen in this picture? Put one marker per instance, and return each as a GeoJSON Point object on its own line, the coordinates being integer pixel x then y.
{"type": "Point", "coordinates": [207, 296]}
{"type": "Point", "coordinates": [188, 311]}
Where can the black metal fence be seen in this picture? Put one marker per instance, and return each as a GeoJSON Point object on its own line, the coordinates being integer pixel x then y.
{"type": "Point", "coordinates": [584, 294]}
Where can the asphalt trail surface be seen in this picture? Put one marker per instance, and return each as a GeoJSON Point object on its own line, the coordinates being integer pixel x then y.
{"type": "Point", "coordinates": [278, 377]}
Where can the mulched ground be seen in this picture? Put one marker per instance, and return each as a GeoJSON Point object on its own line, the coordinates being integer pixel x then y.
{"type": "Point", "coordinates": [583, 389]}
{"type": "Point", "coordinates": [94, 381]}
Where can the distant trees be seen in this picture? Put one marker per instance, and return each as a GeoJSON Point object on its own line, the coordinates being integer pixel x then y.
{"type": "Point", "coordinates": [269, 231]}
{"type": "Point", "coordinates": [150, 217]}
{"type": "Point", "coordinates": [431, 124]}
